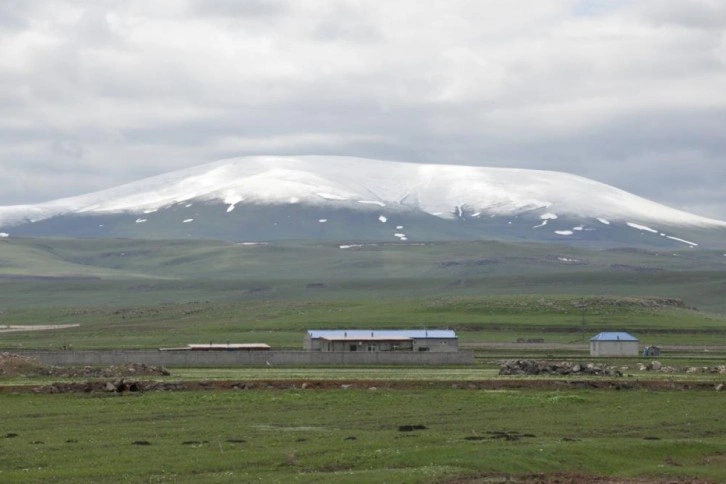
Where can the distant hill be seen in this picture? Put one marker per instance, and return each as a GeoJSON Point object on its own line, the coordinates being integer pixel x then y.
{"type": "Point", "coordinates": [89, 272]}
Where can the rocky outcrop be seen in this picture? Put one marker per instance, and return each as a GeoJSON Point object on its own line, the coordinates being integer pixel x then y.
{"type": "Point", "coordinates": [657, 366]}
{"type": "Point", "coordinates": [532, 367]}
{"type": "Point", "coordinates": [119, 385]}
{"type": "Point", "coordinates": [132, 369]}
{"type": "Point", "coordinates": [19, 365]}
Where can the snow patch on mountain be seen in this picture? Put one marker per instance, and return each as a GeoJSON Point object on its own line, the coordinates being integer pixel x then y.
{"type": "Point", "coordinates": [232, 199]}
{"type": "Point", "coordinates": [692, 244]}
{"type": "Point", "coordinates": [331, 196]}
{"type": "Point", "coordinates": [641, 227]}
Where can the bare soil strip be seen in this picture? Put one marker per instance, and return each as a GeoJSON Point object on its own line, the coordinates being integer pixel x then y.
{"type": "Point", "coordinates": [123, 385]}
{"type": "Point", "coordinates": [16, 328]}
{"type": "Point", "coordinates": [567, 478]}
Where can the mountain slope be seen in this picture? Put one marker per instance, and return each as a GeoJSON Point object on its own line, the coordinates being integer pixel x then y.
{"type": "Point", "coordinates": [343, 198]}
{"type": "Point", "coordinates": [113, 272]}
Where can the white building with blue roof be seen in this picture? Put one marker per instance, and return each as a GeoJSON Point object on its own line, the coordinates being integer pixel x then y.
{"type": "Point", "coordinates": [614, 343]}
{"type": "Point", "coordinates": [437, 340]}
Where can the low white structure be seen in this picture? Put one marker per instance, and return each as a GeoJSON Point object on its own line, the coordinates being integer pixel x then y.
{"type": "Point", "coordinates": [438, 340]}
{"type": "Point", "coordinates": [617, 343]}
{"type": "Point", "coordinates": [221, 347]}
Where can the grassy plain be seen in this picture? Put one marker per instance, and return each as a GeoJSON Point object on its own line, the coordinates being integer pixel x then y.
{"type": "Point", "coordinates": [555, 319]}
{"type": "Point", "coordinates": [360, 435]}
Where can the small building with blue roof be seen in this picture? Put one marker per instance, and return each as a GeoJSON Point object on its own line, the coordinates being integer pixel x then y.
{"type": "Point", "coordinates": [437, 340]}
{"type": "Point", "coordinates": [614, 343]}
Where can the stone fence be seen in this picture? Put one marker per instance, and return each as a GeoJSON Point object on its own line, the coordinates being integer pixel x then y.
{"type": "Point", "coordinates": [186, 358]}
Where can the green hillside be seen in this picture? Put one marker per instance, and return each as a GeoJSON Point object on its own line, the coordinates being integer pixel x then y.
{"type": "Point", "coordinates": [130, 293]}
{"type": "Point", "coordinates": [92, 272]}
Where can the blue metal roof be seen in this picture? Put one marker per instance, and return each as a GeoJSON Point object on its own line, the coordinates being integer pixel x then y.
{"type": "Point", "coordinates": [614, 336]}
{"type": "Point", "coordinates": [382, 334]}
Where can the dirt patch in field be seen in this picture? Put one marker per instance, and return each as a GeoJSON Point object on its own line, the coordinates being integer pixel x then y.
{"type": "Point", "coordinates": [411, 428]}
{"type": "Point", "coordinates": [125, 385]}
{"type": "Point", "coordinates": [18, 365]}
{"type": "Point", "coordinates": [15, 365]}
{"type": "Point", "coordinates": [565, 478]}
{"type": "Point", "coordinates": [131, 369]}
{"type": "Point", "coordinates": [16, 328]}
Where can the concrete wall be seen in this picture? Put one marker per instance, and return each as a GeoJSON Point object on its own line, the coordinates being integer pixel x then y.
{"type": "Point", "coordinates": [614, 348]}
{"type": "Point", "coordinates": [243, 358]}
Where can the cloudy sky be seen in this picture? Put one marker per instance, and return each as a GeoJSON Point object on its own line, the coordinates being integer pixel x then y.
{"type": "Point", "coordinates": [632, 93]}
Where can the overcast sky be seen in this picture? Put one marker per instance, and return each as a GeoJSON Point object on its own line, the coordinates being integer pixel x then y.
{"type": "Point", "coordinates": [631, 93]}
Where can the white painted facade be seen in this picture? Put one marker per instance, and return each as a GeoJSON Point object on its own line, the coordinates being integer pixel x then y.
{"type": "Point", "coordinates": [614, 344]}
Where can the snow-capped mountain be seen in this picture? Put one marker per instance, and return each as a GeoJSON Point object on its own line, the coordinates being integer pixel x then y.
{"type": "Point", "coordinates": [273, 197]}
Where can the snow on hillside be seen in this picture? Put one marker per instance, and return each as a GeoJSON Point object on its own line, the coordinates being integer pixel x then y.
{"type": "Point", "coordinates": [447, 191]}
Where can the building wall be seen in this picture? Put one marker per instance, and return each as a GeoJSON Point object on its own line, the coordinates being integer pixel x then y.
{"type": "Point", "coordinates": [435, 344]}
{"type": "Point", "coordinates": [310, 343]}
{"type": "Point", "coordinates": [430, 344]}
{"type": "Point", "coordinates": [354, 346]}
{"type": "Point", "coordinates": [614, 348]}
{"type": "Point", "coordinates": [243, 358]}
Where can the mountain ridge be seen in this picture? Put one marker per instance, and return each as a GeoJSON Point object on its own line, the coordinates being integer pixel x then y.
{"type": "Point", "coordinates": [317, 185]}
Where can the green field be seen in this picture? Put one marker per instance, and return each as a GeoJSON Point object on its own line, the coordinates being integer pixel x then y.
{"type": "Point", "coordinates": [555, 319]}
{"type": "Point", "coordinates": [360, 435]}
